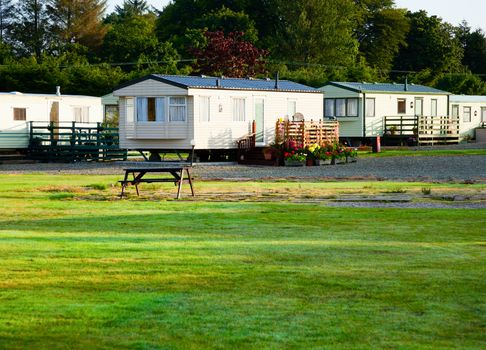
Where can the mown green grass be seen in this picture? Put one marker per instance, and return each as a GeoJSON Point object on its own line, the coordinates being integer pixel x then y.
{"type": "Point", "coordinates": [90, 274]}
{"type": "Point", "coordinates": [419, 152]}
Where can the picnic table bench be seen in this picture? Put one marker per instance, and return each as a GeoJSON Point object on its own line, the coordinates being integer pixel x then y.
{"type": "Point", "coordinates": [138, 177]}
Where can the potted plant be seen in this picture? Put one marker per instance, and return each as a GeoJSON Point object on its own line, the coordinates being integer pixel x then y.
{"type": "Point", "coordinates": [393, 130]}
{"type": "Point", "coordinates": [351, 155]}
{"type": "Point", "coordinates": [324, 156]}
{"type": "Point", "coordinates": [311, 152]}
{"type": "Point", "coordinates": [295, 158]}
{"type": "Point", "coordinates": [268, 153]}
{"type": "Point", "coordinates": [338, 156]}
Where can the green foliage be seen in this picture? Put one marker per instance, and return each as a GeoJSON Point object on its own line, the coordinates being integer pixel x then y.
{"type": "Point", "coordinates": [381, 32]}
{"type": "Point", "coordinates": [309, 36]}
{"type": "Point", "coordinates": [461, 84]}
{"type": "Point", "coordinates": [431, 44]}
{"type": "Point", "coordinates": [228, 21]}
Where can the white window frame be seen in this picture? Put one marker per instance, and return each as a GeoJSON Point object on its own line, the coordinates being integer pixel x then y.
{"type": "Point", "coordinates": [455, 108]}
{"type": "Point", "coordinates": [171, 105]}
{"type": "Point", "coordinates": [237, 103]}
{"type": "Point", "coordinates": [204, 109]}
{"type": "Point", "coordinates": [162, 114]}
{"type": "Point", "coordinates": [434, 103]}
{"type": "Point", "coordinates": [466, 114]}
{"type": "Point", "coordinates": [84, 114]}
{"type": "Point", "coordinates": [483, 114]}
{"type": "Point", "coordinates": [367, 100]}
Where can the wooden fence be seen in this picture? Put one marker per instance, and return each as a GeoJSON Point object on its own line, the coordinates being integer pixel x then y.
{"type": "Point", "coordinates": [72, 142]}
{"type": "Point", "coordinates": [308, 132]}
{"type": "Point", "coordinates": [425, 129]}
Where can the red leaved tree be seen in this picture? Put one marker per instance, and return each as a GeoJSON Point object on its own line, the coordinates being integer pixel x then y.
{"type": "Point", "coordinates": [229, 55]}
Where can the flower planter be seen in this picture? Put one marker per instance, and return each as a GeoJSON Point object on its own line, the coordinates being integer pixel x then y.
{"type": "Point", "coordinates": [310, 162]}
{"type": "Point", "coordinates": [338, 161]}
{"type": "Point", "coordinates": [320, 162]}
{"type": "Point", "coordinates": [294, 163]}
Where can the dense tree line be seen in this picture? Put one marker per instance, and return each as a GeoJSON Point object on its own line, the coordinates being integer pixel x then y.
{"type": "Point", "coordinates": [76, 44]}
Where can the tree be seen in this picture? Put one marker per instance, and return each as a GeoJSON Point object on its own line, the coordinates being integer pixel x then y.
{"type": "Point", "coordinates": [78, 21]}
{"type": "Point", "coordinates": [132, 8]}
{"type": "Point", "coordinates": [431, 43]}
{"type": "Point", "coordinates": [229, 55]}
{"type": "Point", "coordinates": [133, 40]}
{"type": "Point", "coordinates": [317, 31]}
{"type": "Point", "coordinates": [461, 84]}
{"type": "Point", "coordinates": [227, 21]}
{"type": "Point", "coordinates": [474, 45]}
{"type": "Point", "coordinates": [30, 35]}
{"type": "Point", "coordinates": [6, 16]}
{"type": "Point", "coordinates": [381, 31]}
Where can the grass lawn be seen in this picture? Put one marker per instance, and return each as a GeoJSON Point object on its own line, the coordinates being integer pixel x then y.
{"type": "Point", "coordinates": [87, 271]}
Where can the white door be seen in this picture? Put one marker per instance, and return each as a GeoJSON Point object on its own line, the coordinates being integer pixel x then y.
{"type": "Point", "coordinates": [260, 120]}
{"type": "Point", "coordinates": [483, 114]}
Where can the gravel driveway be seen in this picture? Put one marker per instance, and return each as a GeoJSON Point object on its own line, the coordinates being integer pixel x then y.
{"type": "Point", "coordinates": [447, 168]}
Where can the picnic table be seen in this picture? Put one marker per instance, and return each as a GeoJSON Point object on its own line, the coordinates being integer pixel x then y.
{"type": "Point", "coordinates": [138, 177]}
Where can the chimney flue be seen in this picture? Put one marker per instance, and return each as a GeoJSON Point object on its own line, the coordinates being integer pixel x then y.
{"type": "Point", "coordinates": [58, 91]}
{"type": "Point", "coordinates": [406, 84]}
{"type": "Point", "coordinates": [276, 80]}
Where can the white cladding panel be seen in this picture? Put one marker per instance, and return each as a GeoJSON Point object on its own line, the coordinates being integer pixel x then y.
{"type": "Point", "coordinates": [153, 135]}
{"type": "Point", "coordinates": [478, 113]}
{"type": "Point", "coordinates": [220, 131]}
{"type": "Point", "coordinates": [37, 109]}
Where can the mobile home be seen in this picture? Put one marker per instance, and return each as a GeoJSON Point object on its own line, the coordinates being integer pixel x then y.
{"type": "Point", "coordinates": [471, 111]}
{"type": "Point", "coordinates": [360, 108]}
{"type": "Point", "coordinates": [163, 112]}
{"type": "Point", "coordinates": [18, 109]}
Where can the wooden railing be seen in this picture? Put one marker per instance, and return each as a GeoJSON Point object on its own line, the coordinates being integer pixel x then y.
{"type": "Point", "coordinates": [72, 141]}
{"type": "Point", "coordinates": [308, 132]}
{"type": "Point", "coordinates": [426, 129]}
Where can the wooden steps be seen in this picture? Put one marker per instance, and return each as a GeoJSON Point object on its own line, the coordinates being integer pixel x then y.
{"type": "Point", "coordinates": [255, 157]}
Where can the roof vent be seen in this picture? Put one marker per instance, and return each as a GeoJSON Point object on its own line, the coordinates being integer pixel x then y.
{"type": "Point", "coordinates": [203, 76]}
{"type": "Point", "coordinates": [276, 80]}
{"type": "Point", "coordinates": [16, 93]}
{"type": "Point", "coordinates": [58, 91]}
{"type": "Point", "coordinates": [405, 88]}
{"type": "Point", "coordinates": [218, 82]}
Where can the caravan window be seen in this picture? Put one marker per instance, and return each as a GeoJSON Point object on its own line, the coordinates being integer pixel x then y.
{"type": "Point", "coordinates": [81, 114]}
{"type": "Point", "coordinates": [370, 107]}
{"type": "Point", "coordinates": [155, 109]}
{"type": "Point", "coordinates": [177, 109]}
{"type": "Point", "coordinates": [20, 113]}
{"type": "Point", "coordinates": [402, 106]}
{"type": "Point", "coordinates": [204, 109]}
{"type": "Point", "coordinates": [238, 109]}
{"type": "Point", "coordinates": [466, 116]}
{"type": "Point", "coordinates": [329, 107]}
{"type": "Point", "coordinates": [352, 107]}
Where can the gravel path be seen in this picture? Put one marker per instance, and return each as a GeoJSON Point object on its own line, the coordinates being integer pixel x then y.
{"type": "Point", "coordinates": [444, 169]}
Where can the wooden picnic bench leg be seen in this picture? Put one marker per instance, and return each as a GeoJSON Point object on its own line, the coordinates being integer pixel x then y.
{"type": "Point", "coordinates": [124, 184]}
{"type": "Point", "coordinates": [181, 179]}
{"type": "Point", "coordinates": [190, 181]}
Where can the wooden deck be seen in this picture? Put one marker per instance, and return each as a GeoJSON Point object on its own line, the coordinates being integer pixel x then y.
{"type": "Point", "coordinates": [73, 142]}
{"type": "Point", "coordinates": [423, 130]}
